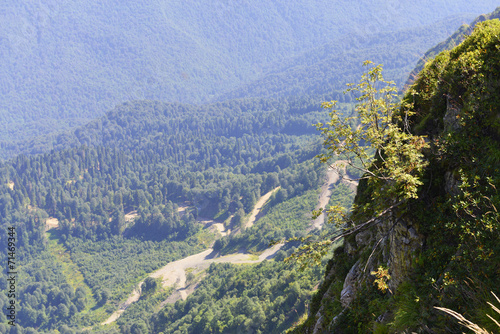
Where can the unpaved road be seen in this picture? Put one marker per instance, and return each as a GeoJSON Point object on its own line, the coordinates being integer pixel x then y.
{"type": "Point", "coordinates": [333, 177]}
{"type": "Point", "coordinates": [174, 273]}
{"type": "Point", "coordinates": [133, 297]}
{"type": "Point", "coordinates": [326, 191]}
{"type": "Point", "coordinates": [257, 210]}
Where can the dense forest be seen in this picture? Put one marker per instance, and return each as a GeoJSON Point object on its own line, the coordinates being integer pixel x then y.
{"type": "Point", "coordinates": [147, 159]}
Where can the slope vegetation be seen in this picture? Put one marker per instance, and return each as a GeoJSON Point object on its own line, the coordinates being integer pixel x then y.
{"type": "Point", "coordinates": [442, 248]}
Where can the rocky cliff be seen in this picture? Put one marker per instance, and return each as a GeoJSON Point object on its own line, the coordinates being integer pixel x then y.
{"type": "Point", "coordinates": [442, 248]}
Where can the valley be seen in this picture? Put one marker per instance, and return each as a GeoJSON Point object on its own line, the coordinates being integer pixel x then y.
{"type": "Point", "coordinates": [174, 273]}
{"type": "Point", "coordinates": [162, 161]}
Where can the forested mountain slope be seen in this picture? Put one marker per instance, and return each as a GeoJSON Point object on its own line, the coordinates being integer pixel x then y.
{"type": "Point", "coordinates": [440, 249]}
{"type": "Point", "coordinates": [116, 186]}
{"type": "Point", "coordinates": [326, 69]}
{"type": "Point", "coordinates": [133, 124]}
{"type": "Point", "coordinates": [456, 38]}
{"type": "Point", "coordinates": [67, 62]}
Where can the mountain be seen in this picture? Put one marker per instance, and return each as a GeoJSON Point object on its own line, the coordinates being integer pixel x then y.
{"type": "Point", "coordinates": [92, 212]}
{"type": "Point", "coordinates": [452, 41]}
{"type": "Point", "coordinates": [440, 249]}
{"type": "Point", "coordinates": [67, 63]}
{"type": "Point", "coordinates": [325, 70]}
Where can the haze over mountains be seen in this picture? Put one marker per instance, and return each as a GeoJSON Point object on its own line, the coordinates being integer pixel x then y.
{"type": "Point", "coordinates": [64, 63]}
{"type": "Point", "coordinates": [137, 134]}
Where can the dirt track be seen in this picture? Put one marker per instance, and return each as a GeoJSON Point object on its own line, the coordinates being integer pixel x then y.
{"type": "Point", "coordinates": [324, 196]}
{"type": "Point", "coordinates": [133, 297]}
{"type": "Point", "coordinates": [174, 273]}
{"type": "Point", "coordinates": [257, 210]}
{"type": "Point", "coordinates": [333, 177]}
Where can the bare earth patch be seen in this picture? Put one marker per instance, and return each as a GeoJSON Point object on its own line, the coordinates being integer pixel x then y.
{"type": "Point", "coordinates": [182, 208]}
{"type": "Point", "coordinates": [324, 197]}
{"type": "Point", "coordinates": [215, 225]}
{"type": "Point", "coordinates": [51, 223]}
{"type": "Point", "coordinates": [130, 216]}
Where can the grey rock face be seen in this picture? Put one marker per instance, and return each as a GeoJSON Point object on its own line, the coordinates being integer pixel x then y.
{"type": "Point", "coordinates": [350, 285]}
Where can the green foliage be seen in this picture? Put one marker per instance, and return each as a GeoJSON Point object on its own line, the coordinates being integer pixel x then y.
{"type": "Point", "coordinates": [283, 220]}
{"type": "Point", "coordinates": [381, 278]}
{"type": "Point", "coordinates": [263, 298]}
{"type": "Point", "coordinates": [468, 146]}
{"type": "Point", "coordinates": [116, 185]}
{"type": "Point", "coordinates": [393, 175]}
{"type": "Point", "coordinates": [454, 103]}
{"type": "Point", "coordinates": [149, 287]}
{"type": "Point", "coordinates": [139, 312]}
{"type": "Point", "coordinates": [470, 325]}
{"type": "Point", "coordinates": [409, 310]}
{"type": "Point", "coordinates": [399, 160]}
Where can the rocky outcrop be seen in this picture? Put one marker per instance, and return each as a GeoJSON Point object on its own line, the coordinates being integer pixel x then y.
{"type": "Point", "coordinates": [351, 285]}
{"type": "Point", "coordinates": [393, 243]}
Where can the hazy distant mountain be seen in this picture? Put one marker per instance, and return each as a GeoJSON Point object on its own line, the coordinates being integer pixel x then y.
{"type": "Point", "coordinates": [66, 62]}
{"type": "Point", "coordinates": [325, 70]}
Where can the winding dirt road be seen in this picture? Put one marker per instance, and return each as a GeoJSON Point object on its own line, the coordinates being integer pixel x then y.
{"type": "Point", "coordinates": [174, 273]}
{"type": "Point", "coordinates": [257, 210]}
{"type": "Point", "coordinates": [326, 191]}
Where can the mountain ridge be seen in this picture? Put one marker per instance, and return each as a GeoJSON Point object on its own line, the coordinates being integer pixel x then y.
{"type": "Point", "coordinates": [318, 70]}
{"type": "Point", "coordinates": [440, 249]}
